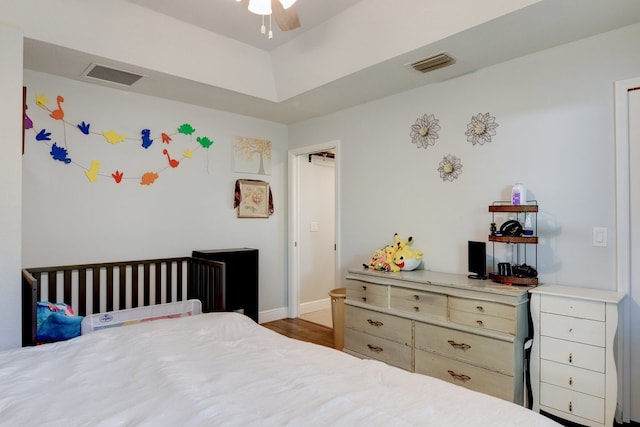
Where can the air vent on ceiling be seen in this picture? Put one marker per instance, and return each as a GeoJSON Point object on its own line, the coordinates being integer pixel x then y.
{"type": "Point", "coordinates": [433, 63]}
{"type": "Point", "coordinates": [111, 75]}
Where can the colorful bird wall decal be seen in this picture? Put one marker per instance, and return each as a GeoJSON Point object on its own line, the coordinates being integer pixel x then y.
{"type": "Point", "coordinates": [112, 137]}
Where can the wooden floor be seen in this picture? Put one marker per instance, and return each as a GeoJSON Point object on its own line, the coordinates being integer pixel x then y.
{"type": "Point", "coordinates": [303, 330]}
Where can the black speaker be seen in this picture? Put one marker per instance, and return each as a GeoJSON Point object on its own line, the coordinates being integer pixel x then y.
{"type": "Point", "coordinates": [477, 260]}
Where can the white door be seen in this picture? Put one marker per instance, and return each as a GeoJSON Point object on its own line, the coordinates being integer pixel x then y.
{"type": "Point", "coordinates": [634, 292]}
{"type": "Point", "coordinates": [317, 231]}
{"type": "Point", "coordinates": [313, 249]}
{"type": "Point", "coordinates": [628, 217]}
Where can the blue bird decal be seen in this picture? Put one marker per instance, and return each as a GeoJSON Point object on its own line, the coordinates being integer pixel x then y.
{"type": "Point", "coordinates": [146, 138]}
{"type": "Point", "coordinates": [59, 153]}
{"type": "Point", "coordinates": [43, 135]}
{"type": "Point", "coordinates": [84, 127]}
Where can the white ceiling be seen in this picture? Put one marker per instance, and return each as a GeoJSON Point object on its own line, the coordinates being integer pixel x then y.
{"type": "Point", "coordinates": [544, 24]}
{"type": "Point", "coordinates": [231, 18]}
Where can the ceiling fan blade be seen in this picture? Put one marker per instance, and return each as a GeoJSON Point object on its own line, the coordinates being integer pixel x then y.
{"type": "Point", "coordinates": [287, 19]}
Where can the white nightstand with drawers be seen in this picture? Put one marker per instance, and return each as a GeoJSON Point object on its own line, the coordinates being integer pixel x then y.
{"type": "Point", "coordinates": [573, 370]}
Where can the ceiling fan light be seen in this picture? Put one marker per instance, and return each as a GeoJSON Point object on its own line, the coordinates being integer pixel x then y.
{"type": "Point", "coordinates": [287, 3]}
{"type": "Point", "coordinates": [260, 7]}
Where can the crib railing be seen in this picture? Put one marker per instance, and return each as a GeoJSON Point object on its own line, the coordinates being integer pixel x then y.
{"type": "Point", "coordinates": [96, 288]}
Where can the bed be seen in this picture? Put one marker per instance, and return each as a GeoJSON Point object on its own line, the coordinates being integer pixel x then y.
{"type": "Point", "coordinates": [221, 368]}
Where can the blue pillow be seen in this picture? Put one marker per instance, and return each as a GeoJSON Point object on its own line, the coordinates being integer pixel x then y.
{"type": "Point", "coordinates": [56, 322]}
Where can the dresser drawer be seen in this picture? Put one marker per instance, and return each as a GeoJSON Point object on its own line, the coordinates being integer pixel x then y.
{"type": "Point", "coordinates": [571, 402]}
{"type": "Point", "coordinates": [485, 308]}
{"type": "Point", "coordinates": [572, 353]}
{"type": "Point", "coordinates": [572, 378]}
{"type": "Point", "coordinates": [457, 372]}
{"type": "Point", "coordinates": [369, 293]}
{"type": "Point", "coordinates": [573, 329]}
{"type": "Point", "coordinates": [372, 347]}
{"type": "Point", "coordinates": [378, 324]}
{"type": "Point", "coordinates": [478, 350]}
{"type": "Point", "coordinates": [584, 309]}
{"type": "Point", "coordinates": [419, 302]}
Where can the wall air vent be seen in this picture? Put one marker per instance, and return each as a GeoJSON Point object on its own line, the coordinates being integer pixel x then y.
{"type": "Point", "coordinates": [111, 75]}
{"type": "Point", "coordinates": [433, 63]}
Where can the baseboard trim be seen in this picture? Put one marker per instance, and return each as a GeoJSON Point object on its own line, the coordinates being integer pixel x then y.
{"type": "Point", "coordinates": [308, 307]}
{"type": "Point", "coordinates": [271, 315]}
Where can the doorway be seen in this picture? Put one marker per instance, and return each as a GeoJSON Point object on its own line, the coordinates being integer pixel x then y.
{"type": "Point", "coordinates": [313, 230]}
{"type": "Point", "coordinates": [627, 112]}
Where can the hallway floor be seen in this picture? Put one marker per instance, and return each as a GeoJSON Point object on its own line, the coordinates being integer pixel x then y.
{"type": "Point", "coordinates": [322, 317]}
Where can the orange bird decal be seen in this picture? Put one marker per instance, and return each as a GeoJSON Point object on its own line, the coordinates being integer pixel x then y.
{"type": "Point", "coordinates": [58, 114]}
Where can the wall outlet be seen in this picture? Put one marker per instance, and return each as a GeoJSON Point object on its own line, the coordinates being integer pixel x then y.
{"type": "Point", "coordinates": [600, 236]}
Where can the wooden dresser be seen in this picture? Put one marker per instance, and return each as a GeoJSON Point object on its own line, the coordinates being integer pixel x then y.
{"type": "Point", "coordinates": [573, 370]}
{"type": "Point", "coordinates": [467, 332]}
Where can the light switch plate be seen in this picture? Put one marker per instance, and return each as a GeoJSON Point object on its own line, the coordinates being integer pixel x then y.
{"type": "Point", "coordinates": [600, 236]}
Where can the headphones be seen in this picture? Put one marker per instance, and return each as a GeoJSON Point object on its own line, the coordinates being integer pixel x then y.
{"type": "Point", "coordinates": [511, 228]}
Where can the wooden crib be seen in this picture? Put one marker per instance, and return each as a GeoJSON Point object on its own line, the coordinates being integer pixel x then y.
{"type": "Point", "coordinates": [101, 287]}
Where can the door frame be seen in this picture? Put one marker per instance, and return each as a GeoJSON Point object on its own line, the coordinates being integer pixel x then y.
{"type": "Point", "coordinates": [623, 239]}
{"type": "Point", "coordinates": [293, 283]}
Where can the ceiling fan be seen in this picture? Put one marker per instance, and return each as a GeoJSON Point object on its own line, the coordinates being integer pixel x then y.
{"type": "Point", "coordinates": [286, 18]}
{"type": "Point", "coordinates": [284, 12]}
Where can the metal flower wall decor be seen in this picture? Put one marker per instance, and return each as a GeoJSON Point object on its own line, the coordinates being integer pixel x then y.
{"type": "Point", "coordinates": [450, 168]}
{"type": "Point", "coordinates": [425, 131]}
{"type": "Point", "coordinates": [481, 128]}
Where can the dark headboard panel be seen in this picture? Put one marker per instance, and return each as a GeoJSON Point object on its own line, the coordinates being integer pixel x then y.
{"type": "Point", "coordinates": [96, 288]}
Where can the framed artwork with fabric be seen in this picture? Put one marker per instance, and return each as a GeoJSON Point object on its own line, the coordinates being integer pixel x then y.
{"type": "Point", "coordinates": [253, 199]}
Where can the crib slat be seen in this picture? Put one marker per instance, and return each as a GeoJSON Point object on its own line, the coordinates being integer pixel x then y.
{"type": "Point", "coordinates": [123, 286]}
{"type": "Point", "coordinates": [52, 279]}
{"type": "Point", "coordinates": [96, 291]}
{"type": "Point", "coordinates": [67, 288]}
{"type": "Point", "coordinates": [158, 269]}
{"type": "Point", "coordinates": [134, 284]}
{"type": "Point", "coordinates": [110, 295]}
{"type": "Point", "coordinates": [82, 292]}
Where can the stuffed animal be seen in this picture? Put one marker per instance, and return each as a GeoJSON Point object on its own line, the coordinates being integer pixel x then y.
{"type": "Point", "coordinates": [405, 258]}
{"type": "Point", "coordinates": [378, 260]}
{"type": "Point", "coordinates": [395, 257]}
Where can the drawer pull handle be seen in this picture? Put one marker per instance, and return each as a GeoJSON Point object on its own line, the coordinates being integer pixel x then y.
{"type": "Point", "coordinates": [570, 357]}
{"type": "Point", "coordinates": [374, 348]}
{"type": "Point", "coordinates": [375, 323]}
{"type": "Point", "coordinates": [570, 407]}
{"type": "Point", "coordinates": [463, 346]}
{"type": "Point", "coordinates": [480, 308]}
{"type": "Point", "coordinates": [364, 299]}
{"type": "Point", "coordinates": [416, 308]}
{"type": "Point", "coordinates": [364, 287]}
{"type": "Point", "coordinates": [570, 380]}
{"type": "Point", "coordinates": [480, 322]}
{"type": "Point", "coordinates": [459, 377]}
{"type": "Point", "coordinates": [416, 297]}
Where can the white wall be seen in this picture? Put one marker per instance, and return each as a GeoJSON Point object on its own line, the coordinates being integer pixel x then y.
{"type": "Point", "coordinates": [10, 185]}
{"type": "Point", "coordinates": [555, 115]}
{"type": "Point", "coordinates": [68, 220]}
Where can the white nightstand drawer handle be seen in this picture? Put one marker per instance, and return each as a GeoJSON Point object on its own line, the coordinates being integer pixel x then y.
{"type": "Point", "coordinates": [479, 308]}
{"type": "Point", "coordinates": [416, 297]}
{"type": "Point", "coordinates": [570, 407]}
{"type": "Point", "coordinates": [480, 322]}
{"type": "Point", "coordinates": [463, 346]}
{"type": "Point", "coordinates": [364, 287]}
{"type": "Point", "coordinates": [375, 323]}
{"type": "Point", "coordinates": [374, 348]}
{"type": "Point", "coordinates": [570, 380]}
{"type": "Point", "coordinates": [459, 377]}
{"type": "Point", "coordinates": [570, 357]}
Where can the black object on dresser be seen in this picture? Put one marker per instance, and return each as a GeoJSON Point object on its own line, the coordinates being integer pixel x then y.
{"type": "Point", "coordinates": [241, 276]}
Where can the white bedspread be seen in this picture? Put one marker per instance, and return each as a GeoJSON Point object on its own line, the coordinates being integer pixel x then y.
{"type": "Point", "coordinates": [223, 369]}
